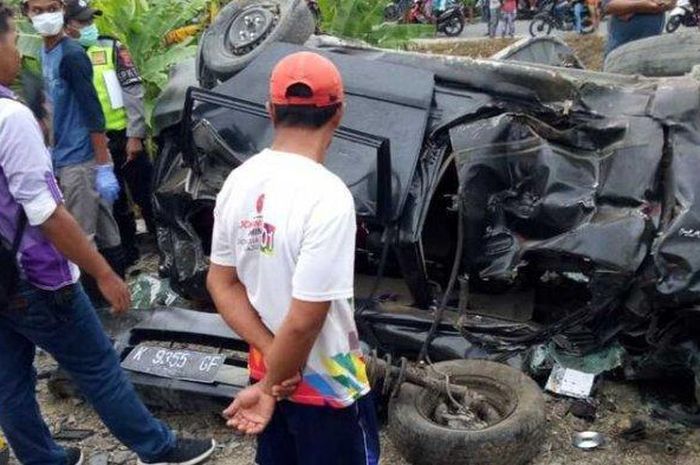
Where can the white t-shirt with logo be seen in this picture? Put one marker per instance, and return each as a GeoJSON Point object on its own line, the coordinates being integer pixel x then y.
{"type": "Point", "coordinates": [287, 225]}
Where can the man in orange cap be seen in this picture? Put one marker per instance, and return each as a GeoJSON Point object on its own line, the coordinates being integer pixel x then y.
{"type": "Point", "coordinates": [282, 277]}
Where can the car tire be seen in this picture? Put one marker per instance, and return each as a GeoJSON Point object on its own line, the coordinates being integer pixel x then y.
{"type": "Point", "coordinates": [287, 21]}
{"type": "Point", "coordinates": [665, 55]}
{"type": "Point", "coordinates": [513, 441]}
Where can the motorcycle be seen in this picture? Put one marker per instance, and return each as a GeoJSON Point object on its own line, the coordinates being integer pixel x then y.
{"type": "Point", "coordinates": [397, 9]}
{"type": "Point", "coordinates": [559, 15]}
{"type": "Point", "coordinates": [684, 14]}
{"type": "Point", "coordinates": [451, 21]}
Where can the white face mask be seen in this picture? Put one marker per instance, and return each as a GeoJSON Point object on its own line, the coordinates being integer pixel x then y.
{"type": "Point", "coordinates": [48, 24]}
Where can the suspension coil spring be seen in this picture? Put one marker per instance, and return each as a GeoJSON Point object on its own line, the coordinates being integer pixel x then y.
{"type": "Point", "coordinates": [384, 376]}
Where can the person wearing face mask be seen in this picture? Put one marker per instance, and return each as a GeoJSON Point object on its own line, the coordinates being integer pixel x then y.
{"type": "Point", "coordinates": [121, 95]}
{"type": "Point", "coordinates": [80, 154]}
{"type": "Point", "coordinates": [42, 303]}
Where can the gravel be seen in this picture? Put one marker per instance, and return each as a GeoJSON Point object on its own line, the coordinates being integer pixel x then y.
{"type": "Point", "coordinates": [619, 405]}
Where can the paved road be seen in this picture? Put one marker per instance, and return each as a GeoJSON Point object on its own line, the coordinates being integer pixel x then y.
{"type": "Point", "coordinates": [478, 30]}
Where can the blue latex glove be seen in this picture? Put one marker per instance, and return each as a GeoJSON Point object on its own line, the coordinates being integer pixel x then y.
{"type": "Point", "coordinates": [106, 183]}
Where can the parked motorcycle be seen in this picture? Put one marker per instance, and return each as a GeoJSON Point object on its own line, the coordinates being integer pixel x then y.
{"type": "Point", "coordinates": [450, 22]}
{"type": "Point", "coordinates": [684, 14]}
{"type": "Point", "coordinates": [397, 9]}
{"type": "Point", "coordinates": [561, 16]}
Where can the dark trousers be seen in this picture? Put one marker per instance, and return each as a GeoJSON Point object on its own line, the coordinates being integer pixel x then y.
{"type": "Point", "coordinates": [65, 324]}
{"type": "Point", "coordinates": [307, 435]}
{"type": "Point", "coordinates": [136, 176]}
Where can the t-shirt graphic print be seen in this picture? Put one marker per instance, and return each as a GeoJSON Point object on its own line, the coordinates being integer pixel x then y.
{"type": "Point", "coordinates": [287, 225]}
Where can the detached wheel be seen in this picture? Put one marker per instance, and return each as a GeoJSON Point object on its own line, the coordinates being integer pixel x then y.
{"type": "Point", "coordinates": [540, 26]}
{"type": "Point", "coordinates": [664, 55]}
{"type": "Point", "coordinates": [245, 27]}
{"type": "Point", "coordinates": [513, 439]}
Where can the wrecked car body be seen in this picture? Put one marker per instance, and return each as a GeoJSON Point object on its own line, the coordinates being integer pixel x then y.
{"type": "Point", "coordinates": [516, 212]}
{"type": "Point", "coordinates": [575, 192]}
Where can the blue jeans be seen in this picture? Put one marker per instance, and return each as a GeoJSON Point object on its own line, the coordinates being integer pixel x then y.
{"type": "Point", "coordinates": [64, 324]}
{"type": "Point", "coordinates": [494, 18]}
{"type": "Point", "coordinates": [308, 435]}
{"type": "Point", "coordinates": [578, 15]}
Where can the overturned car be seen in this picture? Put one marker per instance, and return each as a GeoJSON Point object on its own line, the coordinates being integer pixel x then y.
{"type": "Point", "coordinates": [501, 205]}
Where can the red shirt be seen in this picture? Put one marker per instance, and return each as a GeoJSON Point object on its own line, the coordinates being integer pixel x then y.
{"type": "Point", "coordinates": [509, 6]}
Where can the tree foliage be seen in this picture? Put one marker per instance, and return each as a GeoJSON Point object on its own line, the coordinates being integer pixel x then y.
{"type": "Point", "coordinates": [364, 20]}
{"type": "Point", "coordinates": [142, 25]}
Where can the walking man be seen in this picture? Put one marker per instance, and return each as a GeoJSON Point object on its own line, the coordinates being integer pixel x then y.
{"type": "Point", "coordinates": [282, 278]}
{"type": "Point", "coordinates": [121, 95]}
{"type": "Point", "coordinates": [80, 154]}
{"type": "Point", "coordinates": [48, 308]}
{"type": "Point", "coordinates": [509, 10]}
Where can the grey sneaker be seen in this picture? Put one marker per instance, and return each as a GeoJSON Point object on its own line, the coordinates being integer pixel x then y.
{"type": "Point", "coordinates": [74, 456]}
{"type": "Point", "coordinates": [186, 452]}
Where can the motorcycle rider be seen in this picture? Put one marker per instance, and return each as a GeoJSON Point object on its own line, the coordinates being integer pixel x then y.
{"type": "Point", "coordinates": [439, 6]}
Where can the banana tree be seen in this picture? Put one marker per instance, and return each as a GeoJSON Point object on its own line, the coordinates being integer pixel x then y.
{"type": "Point", "coordinates": [142, 26]}
{"type": "Point", "coordinates": [364, 20]}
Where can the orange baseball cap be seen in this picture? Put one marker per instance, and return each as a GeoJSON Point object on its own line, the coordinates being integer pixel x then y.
{"type": "Point", "coordinates": [312, 70]}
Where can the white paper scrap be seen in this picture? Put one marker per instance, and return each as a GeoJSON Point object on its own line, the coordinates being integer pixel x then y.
{"type": "Point", "coordinates": [569, 382]}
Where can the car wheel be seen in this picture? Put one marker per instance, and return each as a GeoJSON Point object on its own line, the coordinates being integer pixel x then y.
{"type": "Point", "coordinates": [540, 26]}
{"type": "Point", "coordinates": [245, 27]}
{"type": "Point", "coordinates": [513, 440]}
{"type": "Point", "coordinates": [665, 55]}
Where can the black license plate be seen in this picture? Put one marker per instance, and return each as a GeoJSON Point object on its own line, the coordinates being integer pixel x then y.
{"type": "Point", "coordinates": [180, 364]}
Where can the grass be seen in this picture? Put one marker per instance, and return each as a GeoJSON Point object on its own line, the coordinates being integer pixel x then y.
{"type": "Point", "coordinates": [588, 48]}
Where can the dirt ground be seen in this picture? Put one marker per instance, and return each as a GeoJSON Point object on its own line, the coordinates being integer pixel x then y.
{"type": "Point", "coordinates": [588, 48]}
{"type": "Point", "coordinates": [619, 404]}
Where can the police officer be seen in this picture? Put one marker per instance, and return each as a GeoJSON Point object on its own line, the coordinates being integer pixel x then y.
{"type": "Point", "coordinates": [121, 95]}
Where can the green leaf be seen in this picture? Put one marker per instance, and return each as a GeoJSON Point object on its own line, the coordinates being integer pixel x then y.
{"type": "Point", "coordinates": [364, 20]}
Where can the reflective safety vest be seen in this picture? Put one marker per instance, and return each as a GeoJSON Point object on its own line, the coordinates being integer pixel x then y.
{"type": "Point", "coordinates": [107, 85]}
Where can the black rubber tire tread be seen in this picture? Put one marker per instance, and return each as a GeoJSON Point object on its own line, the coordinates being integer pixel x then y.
{"type": "Point", "coordinates": [664, 55]}
{"type": "Point", "coordinates": [293, 26]}
{"type": "Point", "coordinates": [514, 441]}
